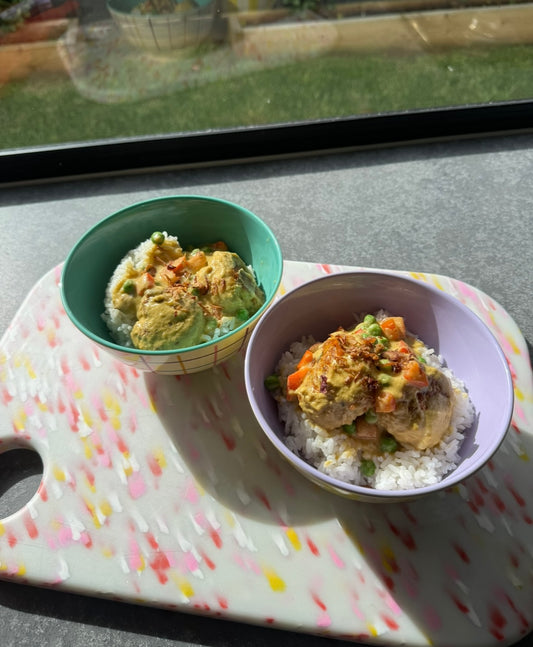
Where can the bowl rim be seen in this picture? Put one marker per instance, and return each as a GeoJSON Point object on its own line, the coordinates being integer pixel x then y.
{"type": "Point", "coordinates": [351, 489]}
{"type": "Point", "coordinates": [175, 351]}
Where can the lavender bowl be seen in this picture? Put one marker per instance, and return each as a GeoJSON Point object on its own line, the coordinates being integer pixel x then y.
{"type": "Point", "coordinates": [467, 345]}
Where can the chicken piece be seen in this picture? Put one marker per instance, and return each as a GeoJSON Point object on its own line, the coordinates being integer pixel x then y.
{"type": "Point", "coordinates": [231, 284]}
{"type": "Point", "coordinates": [339, 386]}
{"type": "Point", "coordinates": [166, 319]}
{"type": "Point", "coordinates": [422, 416]}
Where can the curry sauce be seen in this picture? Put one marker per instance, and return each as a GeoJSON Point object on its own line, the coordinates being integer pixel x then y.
{"type": "Point", "coordinates": [179, 298]}
{"type": "Point", "coordinates": [373, 382]}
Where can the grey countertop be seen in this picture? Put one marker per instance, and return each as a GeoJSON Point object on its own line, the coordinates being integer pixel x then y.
{"type": "Point", "coordinates": [463, 209]}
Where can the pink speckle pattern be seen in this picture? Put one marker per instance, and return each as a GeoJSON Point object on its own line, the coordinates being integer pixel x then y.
{"type": "Point", "coordinates": [162, 490]}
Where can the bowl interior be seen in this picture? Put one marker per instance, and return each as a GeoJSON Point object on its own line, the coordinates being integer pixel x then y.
{"type": "Point", "coordinates": [441, 321]}
{"type": "Point", "coordinates": [195, 220]}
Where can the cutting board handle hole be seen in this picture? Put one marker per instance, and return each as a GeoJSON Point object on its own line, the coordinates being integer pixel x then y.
{"type": "Point", "coordinates": [21, 472]}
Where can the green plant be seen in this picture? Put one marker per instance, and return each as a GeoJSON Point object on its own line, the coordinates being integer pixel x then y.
{"type": "Point", "coordinates": [304, 6]}
{"type": "Point", "coordinates": [11, 20]}
{"type": "Point", "coordinates": [160, 7]}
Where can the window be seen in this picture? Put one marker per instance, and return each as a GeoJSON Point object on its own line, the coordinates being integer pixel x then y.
{"type": "Point", "coordinates": [88, 86]}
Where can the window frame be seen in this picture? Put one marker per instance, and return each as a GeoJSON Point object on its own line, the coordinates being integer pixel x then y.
{"type": "Point", "coordinates": [256, 143]}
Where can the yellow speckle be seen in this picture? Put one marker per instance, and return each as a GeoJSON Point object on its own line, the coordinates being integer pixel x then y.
{"type": "Point", "coordinates": [42, 406]}
{"type": "Point", "coordinates": [518, 394]}
{"type": "Point", "coordinates": [107, 552]}
{"type": "Point", "coordinates": [437, 283]}
{"type": "Point", "coordinates": [58, 473]}
{"type": "Point", "coordinates": [115, 422]}
{"type": "Point", "coordinates": [86, 416]}
{"type": "Point", "coordinates": [230, 518]}
{"type": "Point", "coordinates": [160, 458]}
{"type": "Point", "coordinates": [92, 511]}
{"type": "Point", "coordinates": [20, 420]}
{"type": "Point", "coordinates": [87, 448]}
{"type": "Point", "coordinates": [275, 581]}
{"type": "Point", "coordinates": [29, 368]}
{"type": "Point", "coordinates": [21, 569]}
{"type": "Point", "coordinates": [524, 457]}
{"type": "Point", "coordinates": [513, 345]}
{"type": "Point", "coordinates": [372, 630]}
{"type": "Point", "coordinates": [141, 565]}
{"type": "Point", "coordinates": [183, 585]}
{"type": "Point", "coordinates": [111, 403]}
{"type": "Point", "coordinates": [2, 529]}
{"type": "Point", "coordinates": [388, 558]}
{"type": "Point", "coordinates": [105, 508]}
{"type": "Point", "coordinates": [292, 536]}
{"type": "Point", "coordinates": [128, 470]}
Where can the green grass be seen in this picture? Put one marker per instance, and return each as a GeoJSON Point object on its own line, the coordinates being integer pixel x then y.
{"type": "Point", "coordinates": [50, 110]}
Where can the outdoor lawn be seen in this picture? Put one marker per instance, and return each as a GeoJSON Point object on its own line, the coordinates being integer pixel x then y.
{"type": "Point", "coordinates": [49, 109]}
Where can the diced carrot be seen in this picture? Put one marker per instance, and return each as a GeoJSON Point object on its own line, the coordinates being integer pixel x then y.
{"type": "Point", "coordinates": [385, 402]}
{"type": "Point", "coordinates": [145, 283]}
{"type": "Point", "coordinates": [403, 347]}
{"type": "Point", "coordinates": [178, 265]}
{"type": "Point", "coordinates": [197, 261]}
{"type": "Point", "coordinates": [295, 379]}
{"type": "Point", "coordinates": [219, 246]}
{"type": "Point", "coordinates": [307, 357]}
{"type": "Point", "coordinates": [414, 374]}
{"type": "Point", "coordinates": [393, 328]}
{"type": "Point", "coordinates": [174, 268]}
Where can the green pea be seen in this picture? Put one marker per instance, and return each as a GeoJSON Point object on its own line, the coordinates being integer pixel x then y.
{"type": "Point", "coordinates": [349, 429]}
{"type": "Point", "coordinates": [422, 359]}
{"type": "Point", "coordinates": [388, 443]}
{"type": "Point", "coordinates": [157, 238]}
{"type": "Point", "coordinates": [242, 314]}
{"type": "Point", "coordinates": [375, 330]}
{"type": "Point", "coordinates": [195, 292]}
{"type": "Point", "coordinates": [369, 319]}
{"type": "Point", "coordinates": [384, 379]}
{"type": "Point", "coordinates": [272, 382]}
{"type": "Point", "coordinates": [128, 286]}
{"type": "Point", "coordinates": [371, 416]}
{"type": "Point", "coordinates": [384, 364]}
{"type": "Point", "coordinates": [368, 467]}
{"type": "Point", "coordinates": [383, 341]}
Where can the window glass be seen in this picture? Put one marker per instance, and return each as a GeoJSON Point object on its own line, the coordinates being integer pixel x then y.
{"type": "Point", "coordinates": [83, 70]}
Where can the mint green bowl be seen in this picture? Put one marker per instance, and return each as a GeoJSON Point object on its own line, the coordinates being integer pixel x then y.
{"type": "Point", "coordinates": [195, 220]}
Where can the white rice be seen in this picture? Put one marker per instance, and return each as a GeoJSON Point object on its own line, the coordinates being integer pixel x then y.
{"type": "Point", "coordinates": [335, 454]}
{"type": "Point", "coordinates": [118, 322]}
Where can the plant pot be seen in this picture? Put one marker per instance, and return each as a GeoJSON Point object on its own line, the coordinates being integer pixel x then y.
{"type": "Point", "coordinates": [163, 32]}
{"type": "Point", "coordinates": [16, 12]}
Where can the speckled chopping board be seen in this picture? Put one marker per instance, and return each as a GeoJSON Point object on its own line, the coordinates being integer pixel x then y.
{"type": "Point", "coordinates": [162, 491]}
